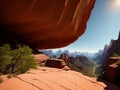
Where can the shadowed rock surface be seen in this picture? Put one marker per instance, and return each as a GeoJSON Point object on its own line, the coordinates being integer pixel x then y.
{"type": "Point", "coordinates": [43, 24]}
{"type": "Point", "coordinates": [111, 61]}
{"type": "Point", "coordinates": [114, 47]}
{"type": "Point", "coordinates": [56, 63]}
{"type": "Point", "coordinates": [112, 70]}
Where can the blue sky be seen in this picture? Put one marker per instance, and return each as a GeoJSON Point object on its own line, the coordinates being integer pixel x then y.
{"type": "Point", "coordinates": [103, 25]}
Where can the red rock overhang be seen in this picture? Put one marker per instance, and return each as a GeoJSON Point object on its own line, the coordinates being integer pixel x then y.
{"type": "Point", "coordinates": [45, 24]}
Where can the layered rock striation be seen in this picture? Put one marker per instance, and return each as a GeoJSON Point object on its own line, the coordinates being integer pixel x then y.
{"type": "Point", "coordinates": [44, 23]}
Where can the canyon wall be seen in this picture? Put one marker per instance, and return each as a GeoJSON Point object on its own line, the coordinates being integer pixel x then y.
{"type": "Point", "coordinates": [110, 58]}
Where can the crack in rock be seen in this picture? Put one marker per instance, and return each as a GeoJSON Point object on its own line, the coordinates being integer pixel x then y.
{"type": "Point", "coordinates": [59, 84]}
{"type": "Point", "coordinates": [28, 83]}
{"type": "Point", "coordinates": [44, 83]}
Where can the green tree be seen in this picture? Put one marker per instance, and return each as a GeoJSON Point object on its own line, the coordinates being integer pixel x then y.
{"type": "Point", "coordinates": [5, 57]}
{"type": "Point", "coordinates": [17, 61]}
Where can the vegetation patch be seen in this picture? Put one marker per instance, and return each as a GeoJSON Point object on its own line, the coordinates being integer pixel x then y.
{"type": "Point", "coordinates": [10, 76]}
{"type": "Point", "coordinates": [42, 64]}
{"type": "Point", "coordinates": [16, 61]}
{"type": "Point", "coordinates": [115, 55]}
{"type": "Point", "coordinates": [1, 80]}
{"type": "Point", "coordinates": [118, 62]}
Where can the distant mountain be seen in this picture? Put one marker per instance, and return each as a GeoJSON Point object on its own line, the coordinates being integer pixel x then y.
{"type": "Point", "coordinates": [47, 52]}
{"type": "Point", "coordinates": [100, 55]}
{"type": "Point", "coordinates": [73, 54]}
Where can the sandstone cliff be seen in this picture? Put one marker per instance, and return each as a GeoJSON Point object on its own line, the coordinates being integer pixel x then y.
{"type": "Point", "coordinates": [112, 70]}
{"type": "Point", "coordinates": [111, 64]}
{"type": "Point", "coordinates": [114, 47]}
{"type": "Point", "coordinates": [44, 23]}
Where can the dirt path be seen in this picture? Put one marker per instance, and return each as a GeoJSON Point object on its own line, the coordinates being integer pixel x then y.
{"type": "Point", "coordinates": [94, 69]}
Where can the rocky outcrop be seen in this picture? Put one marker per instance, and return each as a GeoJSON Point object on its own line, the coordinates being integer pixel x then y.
{"type": "Point", "coordinates": [111, 68]}
{"type": "Point", "coordinates": [44, 60]}
{"type": "Point", "coordinates": [44, 24]}
{"type": "Point", "coordinates": [56, 63]}
{"type": "Point", "coordinates": [78, 63]}
{"type": "Point", "coordinates": [76, 60]}
{"type": "Point", "coordinates": [112, 60]}
{"type": "Point", "coordinates": [45, 78]}
{"type": "Point", "coordinates": [112, 71]}
{"type": "Point", "coordinates": [114, 47]}
{"type": "Point", "coordinates": [40, 58]}
{"type": "Point", "coordinates": [65, 57]}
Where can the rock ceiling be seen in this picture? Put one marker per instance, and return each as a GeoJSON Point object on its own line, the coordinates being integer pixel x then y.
{"type": "Point", "coordinates": [45, 24]}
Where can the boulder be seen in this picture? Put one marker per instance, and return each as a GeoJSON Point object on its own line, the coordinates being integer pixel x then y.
{"type": "Point", "coordinates": [55, 63]}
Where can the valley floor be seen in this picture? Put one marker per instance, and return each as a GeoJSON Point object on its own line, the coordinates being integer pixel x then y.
{"type": "Point", "coordinates": [94, 69]}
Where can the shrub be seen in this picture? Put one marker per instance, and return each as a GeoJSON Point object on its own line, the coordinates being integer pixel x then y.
{"type": "Point", "coordinates": [1, 79]}
{"type": "Point", "coordinates": [115, 55]}
{"type": "Point", "coordinates": [9, 75]}
{"type": "Point", "coordinates": [5, 57]}
{"type": "Point", "coordinates": [118, 62]}
{"type": "Point", "coordinates": [17, 60]}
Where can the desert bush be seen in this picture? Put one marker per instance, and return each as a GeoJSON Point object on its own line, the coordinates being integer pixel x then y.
{"type": "Point", "coordinates": [10, 75]}
{"type": "Point", "coordinates": [17, 60]}
{"type": "Point", "coordinates": [118, 62]}
{"type": "Point", "coordinates": [42, 64]}
{"type": "Point", "coordinates": [115, 55]}
{"type": "Point", "coordinates": [5, 57]}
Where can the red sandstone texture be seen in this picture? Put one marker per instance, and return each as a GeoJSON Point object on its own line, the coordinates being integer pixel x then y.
{"type": "Point", "coordinates": [54, 79]}
{"type": "Point", "coordinates": [45, 23]}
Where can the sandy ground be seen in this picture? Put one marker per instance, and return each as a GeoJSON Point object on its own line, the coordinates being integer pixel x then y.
{"type": "Point", "coordinates": [45, 78]}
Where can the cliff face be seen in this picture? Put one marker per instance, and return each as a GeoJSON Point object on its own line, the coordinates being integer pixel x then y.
{"type": "Point", "coordinates": [112, 71]}
{"type": "Point", "coordinates": [78, 63]}
{"type": "Point", "coordinates": [112, 64]}
{"type": "Point", "coordinates": [100, 56]}
{"type": "Point", "coordinates": [108, 51]}
{"type": "Point", "coordinates": [114, 47]}
{"type": "Point", "coordinates": [44, 23]}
